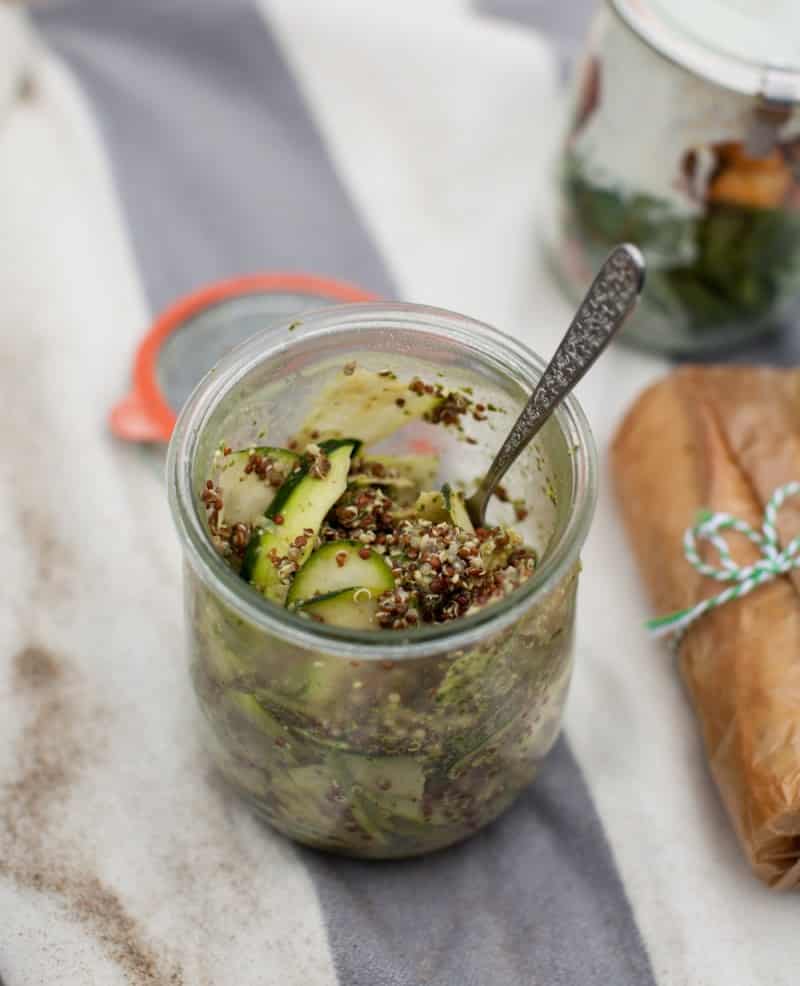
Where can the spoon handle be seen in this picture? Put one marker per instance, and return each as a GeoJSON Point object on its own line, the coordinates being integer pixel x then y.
{"type": "Point", "coordinates": [607, 304]}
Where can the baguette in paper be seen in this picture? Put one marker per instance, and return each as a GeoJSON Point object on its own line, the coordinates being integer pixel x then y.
{"type": "Point", "coordinates": [724, 439]}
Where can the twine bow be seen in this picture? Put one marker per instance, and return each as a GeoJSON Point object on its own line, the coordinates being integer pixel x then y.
{"type": "Point", "coordinates": [773, 562]}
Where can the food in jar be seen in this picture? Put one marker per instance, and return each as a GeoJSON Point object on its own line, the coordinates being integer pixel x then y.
{"type": "Point", "coordinates": [373, 757]}
{"type": "Point", "coordinates": [341, 536]}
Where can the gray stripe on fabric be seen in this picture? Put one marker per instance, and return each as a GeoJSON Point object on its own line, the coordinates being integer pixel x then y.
{"type": "Point", "coordinates": [533, 900]}
{"type": "Point", "coordinates": [220, 170]}
{"type": "Point", "coordinates": [565, 25]}
{"type": "Point", "coordinates": [219, 166]}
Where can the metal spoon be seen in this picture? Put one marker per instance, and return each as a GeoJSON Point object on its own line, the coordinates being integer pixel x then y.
{"type": "Point", "coordinates": [607, 304]}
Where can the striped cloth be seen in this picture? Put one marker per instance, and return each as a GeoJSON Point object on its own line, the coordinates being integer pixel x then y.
{"type": "Point", "coordinates": [147, 147]}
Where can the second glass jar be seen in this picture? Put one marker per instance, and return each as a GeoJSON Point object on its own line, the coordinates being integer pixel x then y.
{"type": "Point", "coordinates": [704, 179]}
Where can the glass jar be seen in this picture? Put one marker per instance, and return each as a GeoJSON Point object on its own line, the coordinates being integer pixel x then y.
{"type": "Point", "coordinates": [393, 743]}
{"type": "Point", "coordinates": [684, 138]}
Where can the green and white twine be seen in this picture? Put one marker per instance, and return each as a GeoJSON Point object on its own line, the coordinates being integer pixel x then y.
{"type": "Point", "coordinates": [774, 561]}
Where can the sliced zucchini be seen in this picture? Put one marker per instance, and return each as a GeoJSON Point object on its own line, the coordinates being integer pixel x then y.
{"type": "Point", "coordinates": [299, 506]}
{"type": "Point", "coordinates": [254, 733]}
{"type": "Point", "coordinates": [391, 482]}
{"type": "Point", "coordinates": [396, 781]}
{"type": "Point", "coordinates": [246, 496]}
{"type": "Point", "coordinates": [385, 793]}
{"type": "Point", "coordinates": [463, 677]}
{"type": "Point", "coordinates": [306, 687]}
{"type": "Point", "coordinates": [400, 471]}
{"type": "Point", "coordinates": [225, 665]}
{"type": "Point", "coordinates": [457, 508]}
{"type": "Point", "coordinates": [248, 709]}
{"type": "Point", "coordinates": [447, 506]}
{"type": "Point", "coordinates": [364, 817]}
{"type": "Point", "coordinates": [301, 804]}
{"type": "Point", "coordinates": [422, 470]}
{"type": "Point", "coordinates": [355, 607]}
{"type": "Point", "coordinates": [431, 506]}
{"type": "Point", "coordinates": [323, 574]}
{"type": "Point", "coordinates": [365, 405]}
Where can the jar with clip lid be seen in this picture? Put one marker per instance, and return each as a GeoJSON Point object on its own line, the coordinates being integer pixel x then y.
{"type": "Point", "coordinates": [684, 138]}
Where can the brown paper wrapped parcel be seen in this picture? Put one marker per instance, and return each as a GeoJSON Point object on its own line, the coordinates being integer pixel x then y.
{"type": "Point", "coordinates": [724, 438]}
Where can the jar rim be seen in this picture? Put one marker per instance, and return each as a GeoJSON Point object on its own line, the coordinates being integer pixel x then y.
{"type": "Point", "coordinates": [701, 45]}
{"type": "Point", "coordinates": [369, 644]}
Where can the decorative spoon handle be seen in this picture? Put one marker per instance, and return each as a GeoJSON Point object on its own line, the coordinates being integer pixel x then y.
{"type": "Point", "coordinates": [607, 304]}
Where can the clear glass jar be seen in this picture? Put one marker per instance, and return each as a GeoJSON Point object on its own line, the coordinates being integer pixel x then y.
{"type": "Point", "coordinates": [685, 141]}
{"type": "Point", "coordinates": [370, 743]}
